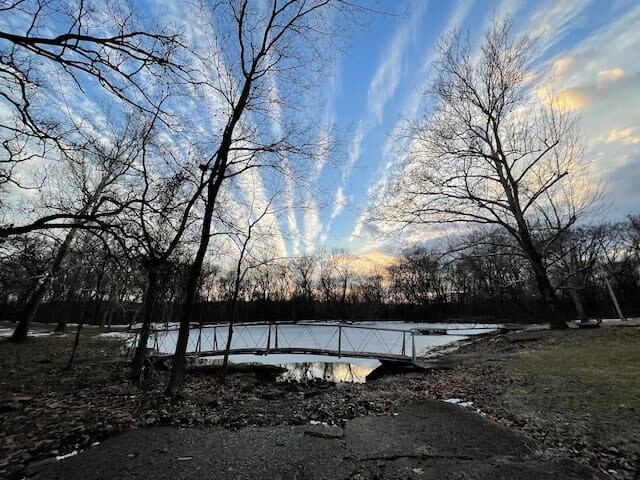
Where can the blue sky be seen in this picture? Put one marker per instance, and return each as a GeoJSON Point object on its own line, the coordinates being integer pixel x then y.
{"type": "Point", "coordinates": [590, 47]}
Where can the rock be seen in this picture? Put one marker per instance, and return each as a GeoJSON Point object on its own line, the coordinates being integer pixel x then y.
{"type": "Point", "coordinates": [613, 451]}
{"type": "Point", "coordinates": [21, 397]}
{"type": "Point", "coordinates": [324, 431]}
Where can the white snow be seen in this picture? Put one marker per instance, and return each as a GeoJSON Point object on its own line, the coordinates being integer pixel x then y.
{"type": "Point", "coordinates": [459, 402]}
{"type": "Point", "coordinates": [72, 454]}
{"type": "Point", "coordinates": [465, 404]}
{"type": "Point", "coordinates": [7, 332]}
{"type": "Point", "coordinates": [114, 335]}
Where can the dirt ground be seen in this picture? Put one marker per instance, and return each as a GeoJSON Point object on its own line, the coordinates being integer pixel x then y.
{"type": "Point", "coordinates": [575, 393]}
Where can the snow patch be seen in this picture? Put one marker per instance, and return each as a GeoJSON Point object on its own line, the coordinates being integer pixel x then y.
{"type": "Point", "coordinates": [72, 454]}
{"type": "Point", "coordinates": [460, 402]}
{"type": "Point", "coordinates": [114, 335]}
{"type": "Point", "coordinates": [465, 404]}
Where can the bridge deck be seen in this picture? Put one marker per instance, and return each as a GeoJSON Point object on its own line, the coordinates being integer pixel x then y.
{"type": "Point", "coordinates": [385, 357]}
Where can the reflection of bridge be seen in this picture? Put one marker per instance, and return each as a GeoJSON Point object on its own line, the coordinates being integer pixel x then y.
{"type": "Point", "coordinates": [331, 339]}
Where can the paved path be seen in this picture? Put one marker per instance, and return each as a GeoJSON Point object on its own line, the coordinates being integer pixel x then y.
{"type": "Point", "coordinates": [426, 440]}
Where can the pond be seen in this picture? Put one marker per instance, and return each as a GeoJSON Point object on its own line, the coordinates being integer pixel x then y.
{"type": "Point", "coordinates": [367, 342]}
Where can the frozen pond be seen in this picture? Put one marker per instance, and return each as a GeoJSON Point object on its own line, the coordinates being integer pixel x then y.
{"type": "Point", "coordinates": [351, 341]}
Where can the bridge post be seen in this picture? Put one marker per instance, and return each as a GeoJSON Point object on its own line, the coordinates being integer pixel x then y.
{"type": "Point", "coordinates": [269, 339]}
{"type": "Point", "coordinates": [413, 346]}
{"type": "Point", "coordinates": [276, 335]}
{"type": "Point", "coordinates": [404, 343]}
{"type": "Point", "coordinates": [340, 341]}
{"type": "Point", "coordinates": [199, 343]}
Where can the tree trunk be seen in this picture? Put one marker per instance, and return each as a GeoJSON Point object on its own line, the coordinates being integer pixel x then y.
{"type": "Point", "coordinates": [548, 293]}
{"type": "Point", "coordinates": [234, 307]}
{"type": "Point", "coordinates": [22, 329]}
{"type": "Point", "coordinates": [215, 181]}
{"type": "Point", "coordinates": [179, 357]}
{"type": "Point", "coordinates": [150, 296]}
{"type": "Point", "coordinates": [577, 301]}
{"type": "Point", "coordinates": [556, 320]}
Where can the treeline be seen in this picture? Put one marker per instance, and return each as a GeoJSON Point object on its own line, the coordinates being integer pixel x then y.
{"type": "Point", "coordinates": [477, 275]}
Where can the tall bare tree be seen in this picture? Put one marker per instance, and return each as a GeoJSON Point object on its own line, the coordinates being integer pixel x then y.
{"type": "Point", "coordinates": [492, 152]}
{"type": "Point", "coordinates": [248, 240]}
{"type": "Point", "coordinates": [91, 175]}
{"type": "Point", "coordinates": [255, 48]}
{"type": "Point", "coordinates": [52, 49]}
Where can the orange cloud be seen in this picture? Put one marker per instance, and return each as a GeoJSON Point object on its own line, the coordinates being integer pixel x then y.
{"type": "Point", "coordinates": [608, 76]}
{"type": "Point", "coordinates": [370, 261]}
{"type": "Point", "coordinates": [562, 65]}
{"type": "Point", "coordinates": [625, 136]}
{"type": "Point", "coordinates": [570, 99]}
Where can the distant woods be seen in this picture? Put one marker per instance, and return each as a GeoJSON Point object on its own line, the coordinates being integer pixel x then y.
{"type": "Point", "coordinates": [474, 275]}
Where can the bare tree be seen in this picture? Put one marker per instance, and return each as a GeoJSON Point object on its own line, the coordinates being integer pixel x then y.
{"type": "Point", "coordinates": [155, 227]}
{"type": "Point", "coordinates": [91, 174]}
{"type": "Point", "coordinates": [255, 47]}
{"type": "Point", "coordinates": [303, 268]}
{"type": "Point", "coordinates": [490, 152]}
{"type": "Point", "coordinates": [343, 262]}
{"type": "Point", "coordinates": [416, 277]}
{"type": "Point", "coordinates": [52, 47]}
{"type": "Point", "coordinates": [247, 239]}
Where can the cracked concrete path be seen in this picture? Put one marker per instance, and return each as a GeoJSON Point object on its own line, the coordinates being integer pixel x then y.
{"type": "Point", "coordinates": [426, 440]}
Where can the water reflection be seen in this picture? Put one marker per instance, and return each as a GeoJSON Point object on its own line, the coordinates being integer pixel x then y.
{"type": "Point", "coordinates": [330, 371]}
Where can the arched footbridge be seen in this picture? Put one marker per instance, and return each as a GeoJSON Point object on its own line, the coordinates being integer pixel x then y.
{"type": "Point", "coordinates": [311, 338]}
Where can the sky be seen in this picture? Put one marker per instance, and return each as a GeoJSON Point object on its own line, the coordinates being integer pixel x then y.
{"type": "Point", "coordinates": [590, 48]}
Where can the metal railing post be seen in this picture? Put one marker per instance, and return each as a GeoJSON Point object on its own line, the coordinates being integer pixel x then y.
{"type": "Point", "coordinates": [199, 343]}
{"type": "Point", "coordinates": [413, 347]}
{"type": "Point", "coordinates": [339, 340]}
{"type": "Point", "coordinates": [269, 339]}
{"type": "Point", "coordinates": [276, 335]}
{"type": "Point", "coordinates": [404, 343]}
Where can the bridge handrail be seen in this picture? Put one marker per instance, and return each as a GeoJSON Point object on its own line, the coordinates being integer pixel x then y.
{"type": "Point", "coordinates": [154, 332]}
{"type": "Point", "coordinates": [195, 326]}
{"type": "Point", "coordinates": [315, 324]}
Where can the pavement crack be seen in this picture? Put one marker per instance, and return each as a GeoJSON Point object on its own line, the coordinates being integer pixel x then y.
{"type": "Point", "coordinates": [422, 456]}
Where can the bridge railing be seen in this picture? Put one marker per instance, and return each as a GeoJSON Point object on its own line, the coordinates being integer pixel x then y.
{"type": "Point", "coordinates": [330, 338]}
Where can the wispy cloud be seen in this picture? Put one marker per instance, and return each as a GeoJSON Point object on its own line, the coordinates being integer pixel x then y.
{"type": "Point", "coordinates": [339, 202]}
{"type": "Point", "coordinates": [389, 72]}
{"type": "Point", "coordinates": [554, 20]}
{"type": "Point", "coordinates": [410, 108]}
{"type": "Point", "coordinates": [382, 89]}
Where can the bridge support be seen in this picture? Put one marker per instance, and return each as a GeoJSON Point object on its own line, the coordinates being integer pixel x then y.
{"type": "Point", "coordinates": [413, 347]}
